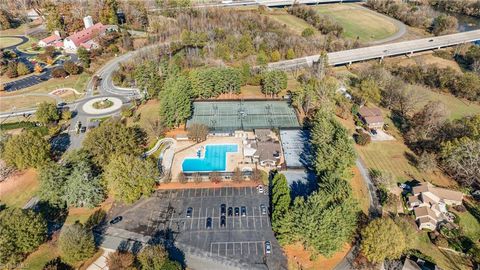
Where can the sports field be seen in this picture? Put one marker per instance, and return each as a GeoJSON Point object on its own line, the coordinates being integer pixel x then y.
{"type": "Point", "coordinates": [359, 22]}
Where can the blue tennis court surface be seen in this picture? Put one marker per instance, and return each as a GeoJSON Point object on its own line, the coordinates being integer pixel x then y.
{"type": "Point", "coordinates": [215, 159]}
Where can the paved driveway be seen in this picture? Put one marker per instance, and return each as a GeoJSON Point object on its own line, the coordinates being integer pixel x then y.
{"type": "Point", "coordinates": [240, 243]}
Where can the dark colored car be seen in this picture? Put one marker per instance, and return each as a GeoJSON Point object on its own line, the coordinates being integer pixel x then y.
{"type": "Point", "coordinates": [268, 247]}
{"type": "Point", "coordinates": [263, 209]}
{"type": "Point", "coordinates": [209, 223]}
{"type": "Point", "coordinates": [223, 209]}
{"type": "Point", "coordinates": [83, 129]}
{"type": "Point", "coordinates": [244, 211]}
{"type": "Point", "coordinates": [189, 212]}
{"type": "Point", "coordinates": [116, 220]}
{"type": "Point", "coordinates": [230, 211]}
{"type": "Point", "coordinates": [223, 221]}
{"type": "Point", "coordinates": [237, 211]}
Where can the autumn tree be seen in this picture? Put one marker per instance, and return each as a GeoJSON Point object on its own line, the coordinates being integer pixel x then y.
{"type": "Point", "coordinates": [461, 158]}
{"type": "Point", "coordinates": [47, 113]}
{"type": "Point", "coordinates": [84, 56]}
{"type": "Point", "coordinates": [71, 68]}
{"type": "Point", "coordinates": [28, 149]}
{"type": "Point", "coordinates": [444, 24]}
{"type": "Point", "coordinates": [121, 260]}
{"type": "Point", "coordinates": [368, 90]}
{"type": "Point", "coordinates": [129, 177]}
{"type": "Point", "coordinates": [22, 69]}
{"type": "Point", "coordinates": [156, 257]}
{"type": "Point", "coordinates": [113, 138]}
{"type": "Point", "coordinates": [382, 239]}
{"type": "Point", "coordinates": [197, 132]}
{"type": "Point", "coordinates": [22, 231]}
{"type": "Point", "coordinates": [38, 68]}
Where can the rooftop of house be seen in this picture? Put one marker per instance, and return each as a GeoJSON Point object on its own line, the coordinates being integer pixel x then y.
{"type": "Point", "coordinates": [371, 115]}
{"type": "Point", "coordinates": [424, 211]}
{"type": "Point", "coordinates": [263, 134]}
{"type": "Point", "coordinates": [51, 38]}
{"type": "Point", "coordinates": [87, 34]}
{"type": "Point", "coordinates": [442, 193]}
{"type": "Point", "coordinates": [269, 150]}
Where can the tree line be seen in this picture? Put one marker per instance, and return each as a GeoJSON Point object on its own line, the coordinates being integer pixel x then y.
{"type": "Point", "coordinates": [324, 23]}
{"type": "Point", "coordinates": [466, 7]}
{"type": "Point", "coordinates": [416, 15]}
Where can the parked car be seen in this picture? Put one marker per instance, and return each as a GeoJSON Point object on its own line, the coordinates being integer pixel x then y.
{"type": "Point", "coordinates": [268, 247]}
{"type": "Point", "coordinates": [260, 189]}
{"type": "Point", "coordinates": [263, 209]}
{"type": "Point", "coordinates": [237, 211]}
{"type": "Point", "coordinates": [230, 211]}
{"type": "Point", "coordinates": [405, 187]}
{"type": "Point", "coordinates": [223, 221]}
{"type": "Point", "coordinates": [209, 223]}
{"type": "Point", "coordinates": [83, 129]}
{"type": "Point", "coordinates": [116, 220]}
{"type": "Point", "coordinates": [244, 211]}
{"type": "Point", "coordinates": [189, 212]}
{"type": "Point", "coordinates": [223, 209]}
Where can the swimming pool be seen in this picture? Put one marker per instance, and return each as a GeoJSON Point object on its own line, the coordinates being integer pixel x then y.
{"type": "Point", "coordinates": [215, 159]}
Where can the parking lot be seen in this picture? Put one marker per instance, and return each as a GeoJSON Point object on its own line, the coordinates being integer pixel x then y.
{"type": "Point", "coordinates": [241, 239]}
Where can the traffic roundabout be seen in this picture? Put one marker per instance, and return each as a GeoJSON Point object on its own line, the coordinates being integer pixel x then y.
{"type": "Point", "coordinates": [102, 105]}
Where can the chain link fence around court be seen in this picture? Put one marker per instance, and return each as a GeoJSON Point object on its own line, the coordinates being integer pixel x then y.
{"type": "Point", "coordinates": [228, 116]}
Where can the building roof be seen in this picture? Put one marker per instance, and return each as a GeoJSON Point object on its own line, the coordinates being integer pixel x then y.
{"type": "Point", "coordinates": [268, 150]}
{"type": "Point", "coordinates": [296, 147]}
{"type": "Point", "coordinates": [262, 134]}
{"type": "Point", "coordinates": [424, 211]}
{"type": "Point", "coordinates": [414, 198]}
{"type": "Point", "coordinates": [51, 39]}
{"type": "Point", "coordinates": [427, 219]}
{"type": "Point", "coordinates": [371, 115]}
{"type": "Point", "coordinates": [58, 44]}
{"type": "Point", "coordinates": [410, 265]}
{"type": "Point", "coordinates": [87, 34]}
{"type": "Point", "coordinates": [442, 193]}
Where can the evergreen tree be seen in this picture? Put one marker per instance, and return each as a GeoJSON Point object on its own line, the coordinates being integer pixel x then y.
{"type": "Point", "coordinates": [175, 103]}
{"type": "Point", "coordinates": [280, 200]}
{"type": "Point", "coordinates": [52, 180]}
{"type": "Point", "coordinates": [82, 188]}
{"type": "Point", "coordinates": [76, 243]}
{"type": "Point", "coordinates": [273, 82]}
{"type": "Point", "coordinates": [84, 56]}
{"type": "Point", "coordinates": [22, 69]}
{"type": "Point", "coordinates": [333, 149]}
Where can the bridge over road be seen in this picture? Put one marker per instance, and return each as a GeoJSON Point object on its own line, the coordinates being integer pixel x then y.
{"type": "Point", "coordinates": [380, 51]}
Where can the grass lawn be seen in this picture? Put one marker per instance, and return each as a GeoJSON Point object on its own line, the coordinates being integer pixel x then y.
{"type": "Point", "coordinates": [444, 259]}
{"type": "Point", "coordinates": [359, 22]}
{"type": "Point", "coordinates": [14, 31]}
{"type": "Point", "coordinates": [8, 41]}
{"type": "Point", "coordinates": [469, 225]}
{"type": "Point", "coordinates": [456, 107]}
{"type": "Point", "coordinates": [18, 190]}
{"type": "Point", "coordinates": [148, 112]}
{"type": "Point", "coordinates": [360, 190]}
{"type": "Point", "coordinates": [23, 102]}
{"type": "Point", "coordinates": [27, 47]}
{"type": "Point", "coordinates": [41, 256]}
{"type": "Point", "coordinates": [295, 24]}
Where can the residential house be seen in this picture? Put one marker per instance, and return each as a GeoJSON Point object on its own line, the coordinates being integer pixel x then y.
{"type": "Point", "coordinates": [418, 264]}
{"type": "Point", "coordinates": [372, 117]}
{"type": "Point", "coordinates": [429, 204]}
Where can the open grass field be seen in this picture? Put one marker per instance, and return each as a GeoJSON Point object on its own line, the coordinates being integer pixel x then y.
{"type": "Point", "coordinates": [359, 22]}
{"type": "Point", "coordinates": [392, 156]}
{"type": "Point", "coordinates": [469, 225]}
{"type": "Point", "coordinates": [22, 102]}
{"type": "Point", "coordinates": [148, 112]}
{"type": "Point", "coordinates": [18, 189]}
{"type": "Point", "coordinates": [295, 24]}
{"type": "Point", "coordinates": [8, 41]}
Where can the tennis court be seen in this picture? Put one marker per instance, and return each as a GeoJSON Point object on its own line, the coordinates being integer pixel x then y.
{"type": "Point", "coordinates": [228, 116]}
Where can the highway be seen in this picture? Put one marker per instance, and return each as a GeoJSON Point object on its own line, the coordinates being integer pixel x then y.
{"type": "Point", "coordinates": [380, 51]}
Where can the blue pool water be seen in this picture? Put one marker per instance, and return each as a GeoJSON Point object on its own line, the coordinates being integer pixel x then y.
{"type": "Point", "coordinates": [215, 159]}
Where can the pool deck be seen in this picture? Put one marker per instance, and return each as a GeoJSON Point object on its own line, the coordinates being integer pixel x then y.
{"type": "Point", "coordinates": [188, 149]}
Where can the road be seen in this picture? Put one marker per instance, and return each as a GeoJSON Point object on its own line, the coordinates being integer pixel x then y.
{"type": "Point", "coordinates": [381, 51]}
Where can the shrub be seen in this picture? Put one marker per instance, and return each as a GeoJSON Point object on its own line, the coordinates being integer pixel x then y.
{"type": "Point", "coordinates": [59, 72]}
{"type": "Point", "coordinates": [362, 138]}
{"type": "Point", "coordinates": [197, 178]}
{"type": "Point", "coordinates": [22, 69]}
{"type": "Point", "coordinates": [215, 177]}
{"type": "Point", "coordinates": [76, 243]}
{"type": "Point", "coordinates": [181, 178]}
{"type": "Point", "coordinates": [308, 32]}
{"type": "Point", "coordinates": [71, 67]}
{"type": "Point", "coordinates": [441, 241]}
{"type": "Point", "coordinates": [120, 260]}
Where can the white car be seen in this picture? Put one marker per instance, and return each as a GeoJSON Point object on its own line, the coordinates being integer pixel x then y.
{"type": "Point", "coordinates": [268, 247]}
{"type": "Point", "coordinates": [260, 189]}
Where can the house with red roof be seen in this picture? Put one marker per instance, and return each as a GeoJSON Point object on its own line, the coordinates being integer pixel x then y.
{"type": "Point", "coordinates": [50, 40]}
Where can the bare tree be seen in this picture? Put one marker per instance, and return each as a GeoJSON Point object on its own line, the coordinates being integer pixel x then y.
{"type": "Point", "coordinates": [197, 132]}
{"type": "Point", "coordinates": [237, 175]}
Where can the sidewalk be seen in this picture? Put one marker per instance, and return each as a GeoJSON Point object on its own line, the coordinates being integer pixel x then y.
{"type": "Point", "coordinates": [101, 262]}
